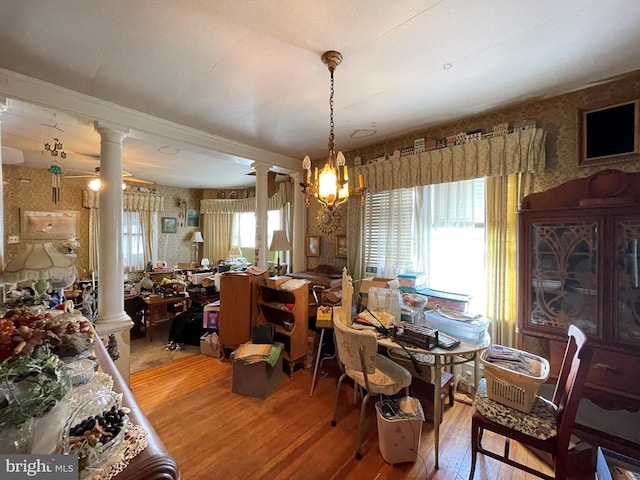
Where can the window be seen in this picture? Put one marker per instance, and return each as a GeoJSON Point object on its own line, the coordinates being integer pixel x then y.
{"type": "Point", "coordinates": [244, 228]}
{"type": "Point", "coordinates": [389, 232]}
{"type": "Point", "coordinates": [132, 246]}
{"type": "Point", "coordinates": [436, 229]}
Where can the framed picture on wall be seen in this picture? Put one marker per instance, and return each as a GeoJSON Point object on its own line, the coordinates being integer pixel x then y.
{"type": "Point", "coordinates": [51, 225]}
{"type": "Point", "coordinates": [341, 246]}
{"type": "Point", "coordinates": [193, 218]}
{"type": "Point", "coordinates": [312, 246]}
{"type": "Point", "coordinates": [609, 134]}
{"type": "Point", "coordinates": [169, 225]}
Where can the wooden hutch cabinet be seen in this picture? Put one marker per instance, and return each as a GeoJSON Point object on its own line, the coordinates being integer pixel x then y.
{"type": "Point", "coordinates": [578, 264]}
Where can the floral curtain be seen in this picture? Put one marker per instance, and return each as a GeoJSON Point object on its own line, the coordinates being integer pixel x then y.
{"type": "Point", "coordinates": [145, 203]}
{"type": "Point", "coordinates": [522, 151]}
{"type": "Point", "coordinates": [503, 197]}
{"type": "Point", "coordinates": [217, 218]}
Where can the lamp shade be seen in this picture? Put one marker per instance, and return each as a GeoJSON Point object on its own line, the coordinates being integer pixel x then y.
{"type": "Point", "coordinates": [197, 237]}
{"type": "Point", "coordinates": [235, 251]}
{"type": "Point", "coordinates": [279, 242]}
{"type": "Point", "coordinates": [40, 261]}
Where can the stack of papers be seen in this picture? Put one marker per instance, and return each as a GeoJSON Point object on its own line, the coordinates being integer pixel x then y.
{"type": "Point", "coordinates": [255, 352]}
{"type": "Point", "coordinates": [511, 359]}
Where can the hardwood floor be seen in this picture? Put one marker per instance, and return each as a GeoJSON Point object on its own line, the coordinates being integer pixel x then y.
{"type": "Point", "coordinates": [216, 434]}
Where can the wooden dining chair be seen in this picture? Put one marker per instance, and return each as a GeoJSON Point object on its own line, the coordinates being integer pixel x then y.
{"type": "Point", "coordinates": [378, 375]}
{"type": "Point", "coordinates": [548, 426]}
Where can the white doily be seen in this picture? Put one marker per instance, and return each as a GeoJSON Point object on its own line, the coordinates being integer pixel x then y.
{"type": "Point", "coordinates": [135, 441]}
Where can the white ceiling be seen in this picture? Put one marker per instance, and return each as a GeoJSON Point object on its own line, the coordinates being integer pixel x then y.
{"type": "Point", "coordinates": [231, 82]}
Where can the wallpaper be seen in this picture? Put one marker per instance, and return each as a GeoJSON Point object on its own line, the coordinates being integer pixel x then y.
{"type": "Point", "coordinates": [558, 116]}
{"type": "Point", "coordinates": [30, 189]}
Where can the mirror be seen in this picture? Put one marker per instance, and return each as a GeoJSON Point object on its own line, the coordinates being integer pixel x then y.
{"type": "Point", "coordinates": [328, 219]}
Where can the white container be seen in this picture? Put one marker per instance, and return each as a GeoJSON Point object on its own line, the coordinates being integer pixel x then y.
{"type": "Point", "coordinates": [471, 330]}
{"type": "Point", "coordinates": [399, 438]}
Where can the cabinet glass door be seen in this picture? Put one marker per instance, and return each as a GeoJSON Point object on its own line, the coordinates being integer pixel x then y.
{"type": "Point", "coordinates": [626, 282]}
{"type": "Point", "coordinates": [564, 275]}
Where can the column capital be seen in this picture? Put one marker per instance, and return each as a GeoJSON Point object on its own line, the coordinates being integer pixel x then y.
{"type": "Point", "coordinates": [261, 168]}
{"type": "Point", "coordinates": [110, 132]}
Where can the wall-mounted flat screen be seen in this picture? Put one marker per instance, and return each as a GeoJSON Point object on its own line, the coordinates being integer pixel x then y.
{"type": "Point", "coordinates": [609, 134]}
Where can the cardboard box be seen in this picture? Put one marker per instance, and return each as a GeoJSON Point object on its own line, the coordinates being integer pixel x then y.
{"type": "Point", "coordinates": [256, 379]}
{"type": "Point", "coordinates": [209, 345]}
{"type": "Point", "coordinates": [324, 317]}
{"type": "Point", "coordinates": [276, 282]}
{"type": "Point", "coordinates": [378, 282]}
{"type": "Point", "coordinates": [211, 315]}
{"type": "Point", "coordinates": [608, 460]}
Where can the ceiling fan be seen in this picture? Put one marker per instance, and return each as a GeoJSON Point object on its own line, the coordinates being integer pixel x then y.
{"type": "Point", "coordinates": [126, 177]}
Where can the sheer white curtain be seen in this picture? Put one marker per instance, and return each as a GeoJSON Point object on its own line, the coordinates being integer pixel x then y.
{"type": "Point", "coordinates": [450, 223]}
{"type": "Point", "coordinates": [133, 240]}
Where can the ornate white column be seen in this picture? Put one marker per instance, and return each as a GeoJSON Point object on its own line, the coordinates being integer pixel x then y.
{"type": "Point", "coordinates": [3, 108]}
{"type": "Point", "coordinates": [298, 258]}
{"type": "Point", "coordinates": [262, 204]}
{"type": "Point", "coordinates": [112, 318]}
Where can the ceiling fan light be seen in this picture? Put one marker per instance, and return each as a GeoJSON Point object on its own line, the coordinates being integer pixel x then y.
{"type": "Point", "coordinates": [94, 184]}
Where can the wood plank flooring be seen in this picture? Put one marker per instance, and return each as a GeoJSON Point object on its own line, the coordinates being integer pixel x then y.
{"type": "Point", "coordinates": [216, 434]}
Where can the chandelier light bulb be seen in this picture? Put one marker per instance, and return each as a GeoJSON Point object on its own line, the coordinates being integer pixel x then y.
{"type": "Point", "coordinates": [340, 161]}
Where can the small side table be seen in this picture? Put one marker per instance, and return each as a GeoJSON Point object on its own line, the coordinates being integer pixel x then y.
{"type": "Point", "coordinates": [157, 309]}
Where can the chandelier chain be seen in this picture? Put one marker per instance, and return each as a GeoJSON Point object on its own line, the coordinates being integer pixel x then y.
{"type": "Point", "coordinates": [331, 124]}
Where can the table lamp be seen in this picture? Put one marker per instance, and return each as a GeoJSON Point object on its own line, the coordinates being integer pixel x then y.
{"type": "Point", "coordinates": [234, 254]}
{"type": "Point", "coordinates": [279, 243]}
{"type": "Point", "coordinates": [43, 264]}
{"type": "Point", "coordinates": [196, 239]}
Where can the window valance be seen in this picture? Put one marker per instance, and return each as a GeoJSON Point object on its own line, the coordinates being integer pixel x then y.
{"type": "Point", "coordinates": [522, 151]}
{"type": "Point", "coordinates": [226, 206]}
{"type": "Point", "coordinates": [132, 201]}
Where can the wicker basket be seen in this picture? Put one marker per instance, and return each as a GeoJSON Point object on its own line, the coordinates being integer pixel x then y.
{"type": "Point", "coordinates": [514, 389]}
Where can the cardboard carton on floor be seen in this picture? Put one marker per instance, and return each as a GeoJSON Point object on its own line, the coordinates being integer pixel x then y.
{"type": "Point", "coordinates": [256, 379]}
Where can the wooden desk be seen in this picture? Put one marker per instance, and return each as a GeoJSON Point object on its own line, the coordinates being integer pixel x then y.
{"type": "Point", "coordinates": [157, 309]}
{"type": "Point", "coordinates": [157, 277]}
{"type": "Point", "coordinates": [201, 297]}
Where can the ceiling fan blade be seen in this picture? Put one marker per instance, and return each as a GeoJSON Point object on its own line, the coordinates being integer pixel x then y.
{"type": "Point", "coordinates": [253, 174]}
{"type": "Point", "coordinates": [137, 180]}
{"type": "Point", "coordinates": [90, 175]}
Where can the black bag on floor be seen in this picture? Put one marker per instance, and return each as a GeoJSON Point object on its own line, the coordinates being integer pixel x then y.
{"type": "Point", "coordinates": [186, 327]}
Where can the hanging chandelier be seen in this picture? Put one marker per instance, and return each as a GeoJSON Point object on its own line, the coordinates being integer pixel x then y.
{"type": "Point", "coordinates": [330, 185]}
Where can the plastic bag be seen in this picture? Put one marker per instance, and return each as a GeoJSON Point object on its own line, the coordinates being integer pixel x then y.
{"type": "Point", "coordinates": [384, 300]}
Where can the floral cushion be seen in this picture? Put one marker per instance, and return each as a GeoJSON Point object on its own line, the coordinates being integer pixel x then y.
{"type": "Point", "coordinates": [540, 423]}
